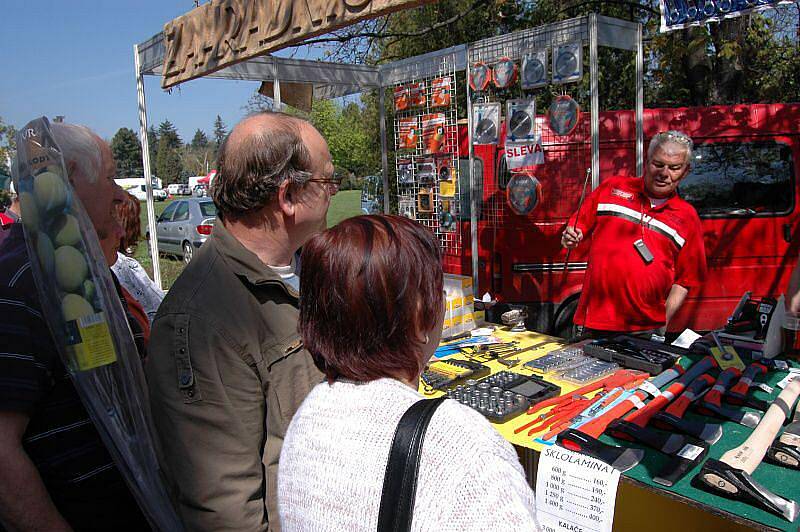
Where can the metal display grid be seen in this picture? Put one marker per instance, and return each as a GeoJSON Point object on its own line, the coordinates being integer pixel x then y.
{"type": "Point", "coordinates": [450, 239]}
{"type": "Point", "coordinates": [576, 146]}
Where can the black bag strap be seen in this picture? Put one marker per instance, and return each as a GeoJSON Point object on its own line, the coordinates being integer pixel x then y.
{"type": "Point", "coordinates": [400, 481]}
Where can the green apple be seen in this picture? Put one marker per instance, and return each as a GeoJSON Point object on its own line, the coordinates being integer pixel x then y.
{"type": "Point", "coordinates": [50, 191]}
{"type": "Point", "coordinates": [71, 268]}
{"type": "Point", "coordinates": [74, 307]}
{"type": "Point", "coordinates": [29, 212]}
{"type": "Point", "coordinates": [88, 290]}
{"type": "Point", "coordinates": [44, 249]}
{"type": "Point", "coordinates": [66, 231]}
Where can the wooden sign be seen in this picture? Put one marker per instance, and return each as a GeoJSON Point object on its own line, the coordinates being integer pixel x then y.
{"type": "Point", "coordinates": [222, 33]}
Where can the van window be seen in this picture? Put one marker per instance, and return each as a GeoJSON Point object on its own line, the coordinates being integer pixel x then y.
{"type": "Point", "coordinates": [740, 179]}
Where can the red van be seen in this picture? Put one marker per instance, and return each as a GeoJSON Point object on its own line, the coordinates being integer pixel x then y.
{"type": "Point", "coordinates": [743, 183]}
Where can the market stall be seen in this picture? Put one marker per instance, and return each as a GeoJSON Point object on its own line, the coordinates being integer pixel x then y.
{"type": "Point", "coordinates": [685, 415]}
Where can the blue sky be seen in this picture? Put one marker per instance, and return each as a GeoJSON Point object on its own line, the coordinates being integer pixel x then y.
{"type": "Point", "coordinates": [75, 58]}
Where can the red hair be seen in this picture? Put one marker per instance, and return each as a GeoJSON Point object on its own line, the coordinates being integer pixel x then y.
{"type": "Point", "coordinates": [129, 211]}
{"type": "Point", "coordinates": [370, 291]}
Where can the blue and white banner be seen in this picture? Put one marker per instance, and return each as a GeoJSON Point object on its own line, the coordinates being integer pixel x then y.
{"type": "Point", "coordinates": [679, 14]}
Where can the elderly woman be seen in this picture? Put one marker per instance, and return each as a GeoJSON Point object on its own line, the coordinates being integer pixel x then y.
{"type": "Point", "coordinates": [371, 315]}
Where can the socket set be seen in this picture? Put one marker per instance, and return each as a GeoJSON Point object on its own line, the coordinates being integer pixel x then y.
{"type": "Point", "coordinates": [634, 353]}
{"type": "Point", "coordinates": [444, 374]}
{"type": "Point", "coordinates": [560, 359]}
{"type": "Point", "coordinates": [590, 371]}
{"type": "Point", "coordinates": [503, 395]}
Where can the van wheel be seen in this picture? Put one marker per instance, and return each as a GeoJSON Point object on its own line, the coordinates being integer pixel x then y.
{"type": "Point", "coordinates": [188, 252]}
{"type": "Point", "coordinates": [564, 326]}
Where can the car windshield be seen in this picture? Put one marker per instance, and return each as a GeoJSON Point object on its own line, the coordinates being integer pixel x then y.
{"type": "Point", "coordinates": [208, 208]}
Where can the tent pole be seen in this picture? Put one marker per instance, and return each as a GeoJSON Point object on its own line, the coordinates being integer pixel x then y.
{"type": "Point", "coordinates": [148, 181]}
{"type": "Point", "coordinates": [384, 148]}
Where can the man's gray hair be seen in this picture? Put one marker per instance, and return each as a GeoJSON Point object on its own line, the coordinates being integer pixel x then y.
{"type": "Point", "coordinates": [79, 146]}
{"type": "Point", "coordinates": [253, 167]}
{"type": "Point", "coordinates": [675, 137]}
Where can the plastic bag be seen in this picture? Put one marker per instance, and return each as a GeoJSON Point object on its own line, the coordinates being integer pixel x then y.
{"type": "Point", "coordinates": [86, 318]}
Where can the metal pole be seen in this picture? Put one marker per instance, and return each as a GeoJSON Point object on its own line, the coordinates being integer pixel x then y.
{"type": "Point", "coordinates": [384, 146]}
{"type": "Point", "coordinates": [639, 102]}
{"type": "Point", "coordinates": [595, 97]}
{"type": "Point", "coordinates": [148, 181]}
{"type": "Point", "coordinates": [473, 190]}
{"type": "Point", "coordinates": [276, 94]}
{"type": "Point", "coordinates": [276, 87]}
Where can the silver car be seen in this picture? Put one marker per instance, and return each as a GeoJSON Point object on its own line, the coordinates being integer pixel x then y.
{"type": "Point", "coordinates": [184, 225]}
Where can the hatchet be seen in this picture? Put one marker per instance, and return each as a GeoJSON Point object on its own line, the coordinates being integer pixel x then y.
{"type": "Point", "coordinates": [739, 394]}
{"type": "Point", "coordinates": [672, 418]}
{"type": "Point", "coordinates": [730, 475]}
{"type": "Point", "coordinates": [711, 404]}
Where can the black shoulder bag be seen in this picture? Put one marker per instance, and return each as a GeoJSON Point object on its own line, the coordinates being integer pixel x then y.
{"type": "Point", "coordinates": [400, 481]}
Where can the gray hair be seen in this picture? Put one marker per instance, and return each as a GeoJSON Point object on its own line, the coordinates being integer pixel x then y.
{"type": "Point", "coordinates": [252, 167]}
{"type": "Point", "coordinates": [79, 146]}
{"type": "Point", "coordinates": [675, 137]}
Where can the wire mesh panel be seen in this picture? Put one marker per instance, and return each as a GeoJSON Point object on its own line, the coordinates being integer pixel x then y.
{"type": "Point", "coordinates": [427, 151]}
{"type": "Point", "coordinates": [552, 62]}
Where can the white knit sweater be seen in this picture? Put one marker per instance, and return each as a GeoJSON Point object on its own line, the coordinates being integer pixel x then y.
{"type": "Point", "coordinates": [334, 458]}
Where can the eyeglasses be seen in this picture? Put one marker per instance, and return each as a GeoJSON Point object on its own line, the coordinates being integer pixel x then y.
{"type": "Point", "coordinates": [332, 182]}
{"type": "Point", "coordinates": [675, 136]}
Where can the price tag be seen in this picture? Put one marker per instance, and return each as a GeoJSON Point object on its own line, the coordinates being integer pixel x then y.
{"type": "Point", "coordinates": [574, 492]}
{"type": "Point", "coordinates": [765, 387]}
{"type": "Point", "coordinates": [650, 388]}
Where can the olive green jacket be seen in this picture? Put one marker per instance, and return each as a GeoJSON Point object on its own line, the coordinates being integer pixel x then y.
{"type": "Point", "coordinates": [226, 372]}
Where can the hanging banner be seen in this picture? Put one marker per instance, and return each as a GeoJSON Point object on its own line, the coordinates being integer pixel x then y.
{"type": "Point", "coordinates": [524, 155]}
{"type": "Point", "coordinates": [679, 14]}
{"type": "Point", "coordinates": [221, 33]}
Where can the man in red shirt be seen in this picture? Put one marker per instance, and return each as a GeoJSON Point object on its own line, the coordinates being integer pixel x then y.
{"type": "Point", "coordinates": [646, 250]}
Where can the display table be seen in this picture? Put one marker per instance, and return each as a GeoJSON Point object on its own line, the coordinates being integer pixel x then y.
{"type": "Point", "coordinates": [642, 504]}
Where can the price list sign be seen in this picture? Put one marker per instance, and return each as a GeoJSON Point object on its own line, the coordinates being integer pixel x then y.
{"type": "Point", "coordinates": [574, 493]}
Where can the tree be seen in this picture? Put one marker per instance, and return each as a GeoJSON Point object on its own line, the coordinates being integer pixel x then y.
{"type": "Point", "coordinates": [127, 153]}
{"type": "Point", "coordinates": [200, 139]}
{"type": "Point", "coordinates": [220, 132]}
{"type": "Point", "coordinates": [168, 159]}
{"type": "Point", "coordinates": [167, 130]}
{"type": "Point", "coordinates": [152, 142]}
{"type": "Point", "coordinates": [8, 146]}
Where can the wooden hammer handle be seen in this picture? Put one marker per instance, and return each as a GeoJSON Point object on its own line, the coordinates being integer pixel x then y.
{"type": "Point", "coordinates": [749, 454]}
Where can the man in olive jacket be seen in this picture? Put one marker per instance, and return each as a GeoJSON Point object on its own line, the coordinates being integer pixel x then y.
{"type": "Point", "coordinates": [227, 369]}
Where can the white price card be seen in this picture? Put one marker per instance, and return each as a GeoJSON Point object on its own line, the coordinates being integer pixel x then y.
{"type": "Point", "coordinates": [574, 492]}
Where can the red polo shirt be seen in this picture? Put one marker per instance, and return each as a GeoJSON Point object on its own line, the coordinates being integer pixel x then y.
{"type": "Point", "coordinates": [620, 291]}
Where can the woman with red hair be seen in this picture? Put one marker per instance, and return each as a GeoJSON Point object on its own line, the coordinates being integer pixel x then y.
{"type": "Point", "coordinates": [371, 313]}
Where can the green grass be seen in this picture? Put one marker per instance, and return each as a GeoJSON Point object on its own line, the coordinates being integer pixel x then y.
{"type": "Point", "coordinates": [344, 204]}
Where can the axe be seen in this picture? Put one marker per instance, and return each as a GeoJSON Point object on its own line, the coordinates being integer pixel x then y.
{"type": "Point", "coordinates": [730, 475]}
{"type": "Point", "coordinates": [685, 453]}
{"type": "Point", "coordinates": [584, 440]}
{"type": "Point", "coordinates": [711, 404]}
{"type": "Point", "coordinates": [783, 455]}
{"type": "Point", "coordinates": [672, 418]}
{"type": "Point", "coordinates": [739, 394]}
{"type": "Point", "coordinates": [791, 434]}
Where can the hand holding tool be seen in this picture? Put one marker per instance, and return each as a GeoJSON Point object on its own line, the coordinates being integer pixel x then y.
{"type": "Point", "coordinates": [578, 212]}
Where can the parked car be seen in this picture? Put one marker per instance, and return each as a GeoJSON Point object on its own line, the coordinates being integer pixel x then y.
{"type": "Point", "coordinates": [200, 191]}
{"type": "Point", "coordinates": [184, 225]}
{"type": "Point", "coordinates": [140, 193]}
